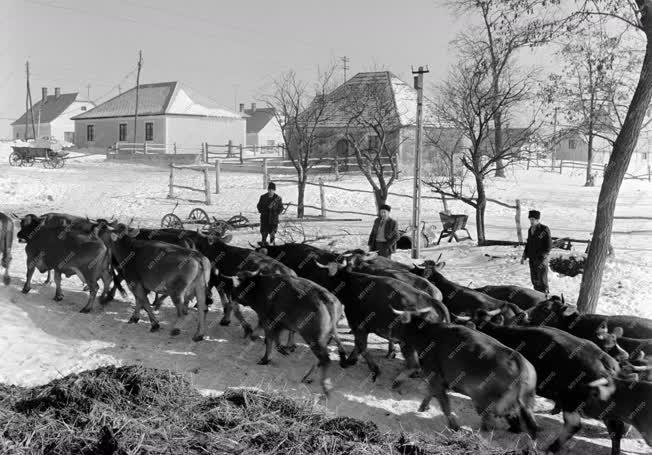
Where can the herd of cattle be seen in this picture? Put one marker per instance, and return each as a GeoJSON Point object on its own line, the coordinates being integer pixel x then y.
{"type": "Point", "coordinates": [499, 345]}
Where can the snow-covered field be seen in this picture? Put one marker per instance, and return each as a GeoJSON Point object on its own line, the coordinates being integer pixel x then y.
{"type": "Point", "coordinates": [42, 339]}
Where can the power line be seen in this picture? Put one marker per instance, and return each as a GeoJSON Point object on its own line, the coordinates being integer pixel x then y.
{"type": "Point", "coordinates": [345, 60]}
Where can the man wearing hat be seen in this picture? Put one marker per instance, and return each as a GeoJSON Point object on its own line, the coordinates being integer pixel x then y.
{"type": "Point", "coordinates": [270, 206]}
{"type": "Point", "coordinates": [537, 248]}
{"type": "Point", "coordinates": [384, 234]}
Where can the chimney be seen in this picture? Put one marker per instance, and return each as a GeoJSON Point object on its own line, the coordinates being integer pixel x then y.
{"type": "Point", "coordinates": [241, 107]}
{"type": "Point", "coordinates": [253, 107]}
{"type": "Point", "coordinates": [44, 94]}
{"type": "Point", "coordinates": [57, 92]}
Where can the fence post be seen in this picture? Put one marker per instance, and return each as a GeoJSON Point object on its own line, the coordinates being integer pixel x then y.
{"type": "Point", "coordinates": [171, 191]}
{"type": "Point", "coordinates": [265, 176]}
{"type": "Point", "coordinates": [241, 160]}
{"type": "Point", "coordinates": [145, 148]}
{"type": "Point", "coordinates": [175, 148]}
{"type": "Point", "coordinates": [519, 232]}
{"type": "Point", "coordinates": [207, 186]}
{"type": "Point", "coordinates": [322, 197]}
{"type": "Point", "coordinates": [229, 148]}
{"type": "Point", "coordinates": [117, 149]}
{"type": "Point", "coordinates": [649, 175]}
{"type": "Point", "coordinates": [337, 169]}
{"type": "Point", "coordinates": [443, 201]}
{"type": "Point", "coordinates": [217, 176]}
{"type": "Point", "coordinates": [561, 165]}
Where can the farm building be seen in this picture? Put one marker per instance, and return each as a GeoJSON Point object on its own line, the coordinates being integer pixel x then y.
{"type": "Point", "coordinates": [52, 116]}
{"type": "Point", "coordinates": [263, 129]}
{"type": "Point", "coordinates": [393, 100]}
{"type": "Point", "coordinates": [169, 113]}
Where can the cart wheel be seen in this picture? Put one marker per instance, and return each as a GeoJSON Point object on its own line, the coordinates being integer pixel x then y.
{"type": "Point", "coordinates": [171, 221]}
{"type": "Point", "coordinates": [57, 162]}
{"type": "Point", "coordinates": [15, 159]}
{"type": "Point", "coordinates": [47, 164]}
{"type": "Point", "coordinates": [217, 228]}
{"type": "Point", "coordinates": [29, 161]}
{"type": "Point", "coordinates": [199, 216]}
{"type": "Point", "coordinates": [238, 221]}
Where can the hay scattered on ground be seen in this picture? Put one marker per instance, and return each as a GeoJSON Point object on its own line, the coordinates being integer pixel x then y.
{"type": "Point", "coordinates": [137, 410]}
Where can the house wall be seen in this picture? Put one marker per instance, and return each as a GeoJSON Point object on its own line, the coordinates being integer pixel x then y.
{"type": "Point", "coordinates": [271, 132]}
{"type": "Point", "coordinates": [106, 130]}
{"type": "Point", "coordinates": [63, 124]}
{"type": "Point", "coordinates": [191, 131]}
{"type": "Point", "coordinates": [579, 153]}
{"type": "Point", "coordinates": [18, 131]}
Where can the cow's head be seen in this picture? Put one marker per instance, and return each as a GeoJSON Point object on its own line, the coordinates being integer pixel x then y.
{"type": "Point", "coordinates": [550, 312]}
{"type": "Point", "coordinates": [463, 320]}
{"type": "Point", "coordinates": [333, 267]}
{"type": "Point", "coordinates": [429, 267]}
{"type": "Point", "coordinates": [241, 278]}
{"type": "Point", "coordinates": [608, 342]}
{"type": "Point", "coordinates": [405, 316]}
{"type": "Point", "coordinates": [28, 225]}
{"type": "Point", "coordinates": [602, 389]}
{"type": "Point", "coordinates": [481, 317]}
{"type": "Point", "coordinates": [120, 230]}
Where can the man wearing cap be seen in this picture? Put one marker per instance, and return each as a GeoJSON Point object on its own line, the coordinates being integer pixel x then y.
{"type": "Point", "coordinates": [270, 206]}
{"type": "Point", "coordinates": [537, 248]}
{"type": "Point", "coordinates": [384, 234]}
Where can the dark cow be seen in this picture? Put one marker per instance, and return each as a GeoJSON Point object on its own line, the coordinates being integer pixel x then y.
{"type": "Point", "coordinates": [164, 268]}
{"type": "Point", "coordinates": [571, 371]}
{"type": "Point", "coordinates": [499, 381]}
{"type": "Point", "coordinates": [525, 298]}
{"type": "Point", "coordinates": [555, 312]}
{"type": "Point", "coordinates": [6, 240]}
{"type": "Point", "coordinates": [66, 250]}
{"type": "Point", "coordinates": [295, 304]}
{"type": "Point", "coordinates": [301, 258]}
{"type": "Point", "coordinates": [639, 353]}
{"type": "Point", "coordinates": [368, 301]}
{"type": "Point", "coordinates": [464, 300]}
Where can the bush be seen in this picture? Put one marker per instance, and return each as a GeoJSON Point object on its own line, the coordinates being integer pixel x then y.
{"type": "Point", "coordinates": [137, 410]}
{"type": "Point", "coordinates": [568, 265]}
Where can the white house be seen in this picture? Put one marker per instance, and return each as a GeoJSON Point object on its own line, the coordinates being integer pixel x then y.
{"type": "Point", "coordinates": [168, 113]}
{"type": "Point", "coordinates": [52, 116]}
{"type": "Point", "coordinates": [263, 128]}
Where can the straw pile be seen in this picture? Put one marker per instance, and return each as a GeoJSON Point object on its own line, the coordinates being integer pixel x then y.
{"type": "Point", "coordinates": [137, 410]}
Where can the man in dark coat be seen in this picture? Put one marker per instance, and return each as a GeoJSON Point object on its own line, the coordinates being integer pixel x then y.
{"type": "Point", "coordinates": [537, 249]}
{"type": "Point", "coordinates": [384, 234]}
{"type": "Point", "coordinates": [270, 206]}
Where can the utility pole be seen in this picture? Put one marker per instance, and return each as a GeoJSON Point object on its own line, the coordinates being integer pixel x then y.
{"type": "Point", "coordinates": [88, 92]}
{"type": "Point", "coordinates": [416, 201]}
{"type": "Point", "coordinates": [140, 64]}
{"type": "Point", "coordinates": [345, 65]}
{"type": "Point", "coordinates": [29, 108]}
{"type": "Point", "coordinates": [554, 140]}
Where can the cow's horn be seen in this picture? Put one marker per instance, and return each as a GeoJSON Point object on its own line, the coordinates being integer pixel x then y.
{"type": "Point", "coordinates": [495, 312]}
{"type": "Point", "coordinates": [417, 266]}
{"type": "Point", "coordinates": [598, 382]}
{"type": "Point", "coordinates": [461, 318]}
{"type": "Point", "coordinates": [131, 221]}
{"type": "Point", "coordinates": [226, 276]}
{"type": "Point", "coordinates": [397, 311]}
{"type": "Point", "coordinates": [423, 310]}
{"type": "Point", "coordinates": [640, 367]}
{"type": "Point", "coordinates": [252, 245]}
{"type": "Point", "coordinates": [562, 298]}
{"type": "Point", "coordinates": [320, 265]}
{"type": "Point", "coordinates": [438, 257]}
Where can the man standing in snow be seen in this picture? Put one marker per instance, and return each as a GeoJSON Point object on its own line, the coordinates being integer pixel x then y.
{"type": "Point", "coordinates": [537, 249]}
{"type": "Point", "coordinates": [384, 234]}
{"type": "Point", "coordinates": [270, 206]}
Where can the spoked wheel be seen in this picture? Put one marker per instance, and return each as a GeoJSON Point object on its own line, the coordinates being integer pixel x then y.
{"type": "Point", "coordinates": [217, 228]}
{"type": "Point", "coordinates": [58, 162]}
{"type": "Point", "coordinates": [15, 160]}
{"type": "Point", "coordinates": [238, 221]}
{"type": "Point", "coordinates": [28, 161]}
{"type": "Point", "coordinates": [48, 164]}
{"type": "Point", "coordinates": [171, 221]}
{"type": "Point", "coordinates": [198, 216]}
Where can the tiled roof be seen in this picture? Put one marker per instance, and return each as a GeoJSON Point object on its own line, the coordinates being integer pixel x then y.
{"type": "Point", "coordinates": [50, 110]}
{"type": "Point", "coordinates": [157, 99]}
{"type": "Point", "coordinates": [258, 119]}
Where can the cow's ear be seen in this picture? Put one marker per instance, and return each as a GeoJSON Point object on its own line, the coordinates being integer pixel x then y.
{"type": "Point", "coordinates": [568, 310]}
{"type": "Point", "coordinates": [470, 325]}
{"type": "Point", "coordinates": [114, 237]}
{"type": "Point", "coordinates": [617, 332]}
{"type": "Point", "coordinates": [499, 320]}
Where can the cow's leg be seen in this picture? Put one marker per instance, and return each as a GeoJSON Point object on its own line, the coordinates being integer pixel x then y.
{"type": "Point", "coordinates": [391, 351]}
{"type": "Point", "coordinates": [340, 347]}
{"type": "Point", "coordinates": [181, 314]}
{"type": "Point", "coordinates": [270, 337]}
{"type": "Point", "coordinates": [158, 301]}
{"type": "Point", "coordinates": [361, 346]}
{"type": "Point", "coordinates": [47, 280]}
{"type": "Point", "coordinates": [231, 306]}
{"type": "Point", "coordinates": [291, 346]}
{"type": "Point", "coordinates": [107, 278]}
{"type": "Point", "coordinates": [202, 310]}
{"type": "Point", "coordinates": [226, 307]}
{"type": "Point", "coordinates": [28, 277]}
{"type": "Point", "coordinates": [617, 430]}
{"type": "Point", "coordinates": [411, 365]}
{"type": "Point", "coordinates": [58, 293]}
{"type": "Point", "coordinates": [92, 291]}
{"type": "Point", "coordinates": [323, 363]}
{"type": "Point", "coordinates": [438, 390]}
{"type": "Point", "coordinates": [572, 424]}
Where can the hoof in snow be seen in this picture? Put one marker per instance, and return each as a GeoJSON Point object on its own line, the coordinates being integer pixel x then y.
{"type": "Point", "coordinates": [174, 332]}
{"type": "Point", "coordinates": [58, 297]}
{"type": "Point", "coordinates": [155, 327]}
{"type": "Point", "coordinates": [132, 320]}
{"type": "Point", "coordinates": [25, 290]}
{"type": "Point", "coordinates": [225, 322]}
{"type": "Point", "coordinates": [263, 361]}
{"type": "Point", "coordinates": [85, 310]}
{"type": "Point", "coordinates": [197, 337]}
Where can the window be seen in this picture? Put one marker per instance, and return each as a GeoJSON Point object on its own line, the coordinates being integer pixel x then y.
{"type": "Point", "coordinates": [572, 144]}
{"type": "Point", "coordinates": [122, 132]}
{"type": "Point", "coordinates": [83, 108]}
{"type": "Point", "coordinates": [271, 143]}
{"type": "Point", "coordinates": [149, 131]}
{"type": "Point", "coordinates": [374, 142]}
{"type": "Point", "coordinates": [90, 133]}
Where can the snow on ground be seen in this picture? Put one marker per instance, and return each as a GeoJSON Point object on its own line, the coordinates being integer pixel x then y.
{"type": "Point", "coordinates": [42, 339]}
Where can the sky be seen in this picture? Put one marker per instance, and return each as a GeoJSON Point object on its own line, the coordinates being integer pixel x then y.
{"type": "Point", "coordinates": [228, 51]}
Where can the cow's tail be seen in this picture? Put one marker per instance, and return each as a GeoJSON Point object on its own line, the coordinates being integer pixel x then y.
{"type": "Point", "coordinates": [7, 240]}
{"type": "Point", "coordinates": [202, 283]}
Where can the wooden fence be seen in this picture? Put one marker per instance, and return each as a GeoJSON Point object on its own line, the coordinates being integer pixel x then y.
{"type": "Point", "coordinates": [595, 167]}
{"type": "Point", "coordinates": [148, 148]}
{"type": "Point", "coordinates": [207, 186]}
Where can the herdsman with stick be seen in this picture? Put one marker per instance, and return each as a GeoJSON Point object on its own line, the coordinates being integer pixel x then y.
{"type": "Point", "coordinates": [384, 233]}
{"type": "Point", "coordinates": [537, 249]}
{"type": "Point", "coordinates": [270, 206]}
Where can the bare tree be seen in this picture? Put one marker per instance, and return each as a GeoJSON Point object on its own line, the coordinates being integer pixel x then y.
{"type": "Point", "coordinates": [468, 100]}
{"type": "Point", "coordinates": [373, 131]}
{"type": "Point", "coordinates": [300, 109]}
{"type": "Point", "coordinates": [500, 34]}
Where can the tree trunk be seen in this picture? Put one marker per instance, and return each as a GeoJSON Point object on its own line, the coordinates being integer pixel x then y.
{"type": "Point", "coordinates": [498, 142]}
{"type": "Point", "coordinates": [589, 161]}
{"type": "Point", "coordinates": [480, 209]}
{"type": "Point", "coordinates": [381, 197]}
{"type": "Point", "coordinates": [301, 191]}
{"type": "Point", "coordinates": [624, 145]}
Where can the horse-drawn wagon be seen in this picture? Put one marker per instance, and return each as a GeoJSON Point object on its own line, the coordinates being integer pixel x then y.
{"type": "Point", "coordinates": [27, 156]}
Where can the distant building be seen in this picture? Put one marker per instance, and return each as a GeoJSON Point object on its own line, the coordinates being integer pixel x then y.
{"type": "Point", "coordinates": [168, 113]}
{"type": "Point", "coordinates": [52, 116]}
{"type": "Point", "coordinates": [263, 129]}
